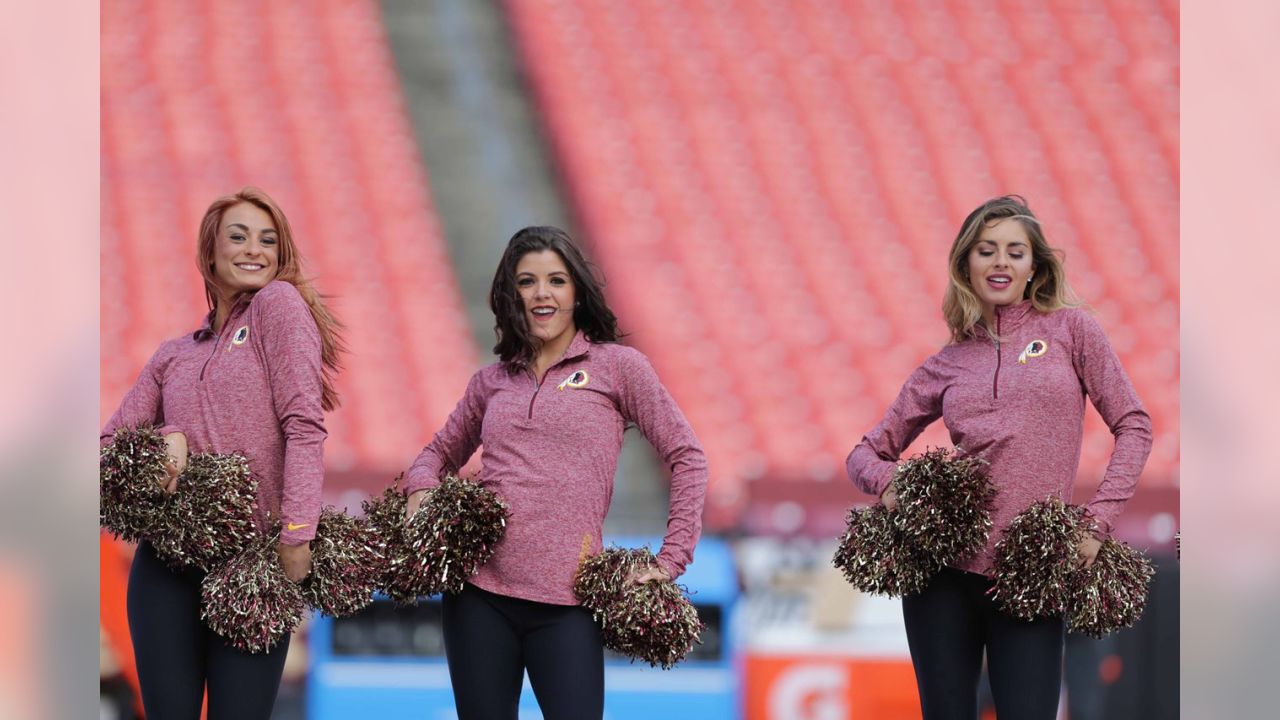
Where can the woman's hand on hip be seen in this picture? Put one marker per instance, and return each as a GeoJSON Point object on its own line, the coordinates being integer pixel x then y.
{"type": "Point", "coordinates": [653, 573]}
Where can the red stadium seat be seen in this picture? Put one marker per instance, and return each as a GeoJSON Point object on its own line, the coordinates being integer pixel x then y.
{"type": "Point", "coordinates": [306, 105]}
{"type": "Point", "coordinates": [799, 175]}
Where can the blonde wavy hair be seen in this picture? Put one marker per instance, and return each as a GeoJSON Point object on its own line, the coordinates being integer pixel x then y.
{"type": "Point", "coordinates": [1048, 289]}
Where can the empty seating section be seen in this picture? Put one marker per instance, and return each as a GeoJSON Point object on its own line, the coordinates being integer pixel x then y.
{"type": "Point", "coordinates": [771, 189]}
{"type": "Point", "coordinates": [302, 100]}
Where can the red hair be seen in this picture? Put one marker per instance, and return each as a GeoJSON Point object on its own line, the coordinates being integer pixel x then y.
{"type": "Point", "coordinates": [290, 271]}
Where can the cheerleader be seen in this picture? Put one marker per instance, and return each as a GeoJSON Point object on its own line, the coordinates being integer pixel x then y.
{"type": "Point", "coordinates": [256, 378]}
{"type": "Point", "coordinates": [1010, 388]}
{"type": "Point", "coordinates": [550, 414]}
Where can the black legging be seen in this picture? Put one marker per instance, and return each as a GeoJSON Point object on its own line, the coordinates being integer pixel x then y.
{"type": "Point", "coordinates": [490, 640]}
{"type": "Point", "coordinates": [948, 625]}
{"type": "Point", "coordinates": [177, 654]}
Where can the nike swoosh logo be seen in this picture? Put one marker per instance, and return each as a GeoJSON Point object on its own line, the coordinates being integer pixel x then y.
{"type": "Point", "coordinates": [294, 526]}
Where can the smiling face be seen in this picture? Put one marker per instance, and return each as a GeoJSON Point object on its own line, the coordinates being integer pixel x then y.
{"type": "Point", "coordinates": [1000, 265]}
{"type": "Point", "coordinates": [547, 292]}
{"type": "Point", "coordinates": [246, 255]}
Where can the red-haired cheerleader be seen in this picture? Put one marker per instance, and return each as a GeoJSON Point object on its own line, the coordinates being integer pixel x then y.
{"type": "Point", "coordinates": [254, 378]}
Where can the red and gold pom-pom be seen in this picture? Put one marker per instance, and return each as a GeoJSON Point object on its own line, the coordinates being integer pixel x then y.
{"type": "Point", "coordinates": [602, 577]}
{"type": "Point", "coordinates": [943, 516]}
{"type": "Point", "coordinates": [207, 519]}
{"type": "Point", "coordinates": [345, 565]}
{"type": "Point", "coordinates": [654, 621]}
{"type": "Point", "coordinates": [211, 514]}
{"type": "Point", "coordinates": [384, 516]}
{"type": "Point", "coordinates": [944, 504]}
{"type": "Point", "coordinates": [131, 475]}
{"type": "Point", "coordinates": [1036, 557]}
{"type": "Point", "coordinates": [1110, 594]}
{"type": "Point", "coordinates": [877, 557]}
{"type": "Point", "coordinates": [454, 532]}
{"type": "Point", "coordinates": [249, 601]}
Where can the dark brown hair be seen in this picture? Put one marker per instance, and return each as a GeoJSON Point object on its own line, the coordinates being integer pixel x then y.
{"type": "Point", "coordinates": [591, 314]}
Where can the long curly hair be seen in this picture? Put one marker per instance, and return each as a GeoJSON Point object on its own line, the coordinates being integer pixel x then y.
{"type": "Point", "coordinates": [591, 315]}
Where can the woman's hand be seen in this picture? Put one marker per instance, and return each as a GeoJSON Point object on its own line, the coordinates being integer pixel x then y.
{"type": "Point", "coordinates": [889, 498]}
{"type": "Point", "coordinates": [1088, 550]}
{"type": "Point", "coordinates": [296, 560]}
{"type": "Point", "coordinates": [646, 575]}
{"type": "Point", "coordinates": [414, 502]}
{"type": "Point", "coordinates": [176, 445]}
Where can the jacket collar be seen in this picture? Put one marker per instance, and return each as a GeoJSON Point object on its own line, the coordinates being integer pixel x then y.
{"type": "Point", "coordinates": [205, 331]}
{"type": "Point", "coordinates": [1011, 317]}
{"type": "Point", "coordinates": [578, 347]}
{"type": "Point", "coordinates": [1008, 319]}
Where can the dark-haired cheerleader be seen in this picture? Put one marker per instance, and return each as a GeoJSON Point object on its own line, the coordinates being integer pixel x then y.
{"type": "Point", "coordinates": [550, 415]}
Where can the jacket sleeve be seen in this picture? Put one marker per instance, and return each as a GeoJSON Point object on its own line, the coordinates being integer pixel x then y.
{"type": "Point", "coordinates": [1112, 394]}
{"type": "Point", "coordinates": [645, 401]}
{"type": "Point", "coordinates": [144, 403]}
{"type": "Point", "coordinates": [454, 444]}
{"type": "Point", "coordinates": [290, 343]}
{"type": "Point", "coordinates": [872, 462]}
